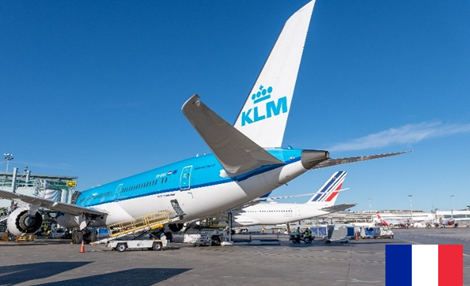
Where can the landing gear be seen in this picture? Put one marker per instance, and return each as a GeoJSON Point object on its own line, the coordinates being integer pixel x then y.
{"type": "Point", "coordinates": [77, 237]}
{"type": "Point", "coordinates": [86, 235]}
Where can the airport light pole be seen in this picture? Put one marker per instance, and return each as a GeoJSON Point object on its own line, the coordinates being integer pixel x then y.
{"type": "Point", "coordinates": [8, 157]}
{"type": "Point", "coordinates": [453, 206]}
{"type": "Point", "coordinates": [411, 207]}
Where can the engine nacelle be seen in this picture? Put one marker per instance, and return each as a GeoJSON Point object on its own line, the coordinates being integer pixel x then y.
{"type": "Point", "coordinates": [20, 222]}
{"type": "Point", "coordinates": [67, 220]}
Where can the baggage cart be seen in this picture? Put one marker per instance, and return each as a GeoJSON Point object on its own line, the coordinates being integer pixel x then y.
{"type": "Point", "coordinates": [339, 233]}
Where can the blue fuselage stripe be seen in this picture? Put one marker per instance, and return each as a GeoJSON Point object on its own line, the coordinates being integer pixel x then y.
{"type": "Point", "coordinates": [205, 172]}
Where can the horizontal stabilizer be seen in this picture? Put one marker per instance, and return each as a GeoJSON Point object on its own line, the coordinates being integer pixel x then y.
{"type": "Point", "coordinates": [56, 206]}
{"type": "Point", "coordinates": [338, 208]}
{"type": "Point", "coordinates": [236, 152]}
{"type": "Point", "coordinates": [341, 161]}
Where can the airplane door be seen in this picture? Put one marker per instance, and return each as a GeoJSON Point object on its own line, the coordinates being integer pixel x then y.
{"type": "Point", "coordinates": [185, 178]}
{"type": "Point", "coordinates": [297, 212]}
{"type": "Point", "coordinates": [117, 192]}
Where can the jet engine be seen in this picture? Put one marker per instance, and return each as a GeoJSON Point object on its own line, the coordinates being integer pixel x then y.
{"type": "Point", "coordinates": [20, 222]}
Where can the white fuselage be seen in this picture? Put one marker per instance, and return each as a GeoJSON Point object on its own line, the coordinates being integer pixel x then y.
{"type": "Point", "coordinates": [277, 213]}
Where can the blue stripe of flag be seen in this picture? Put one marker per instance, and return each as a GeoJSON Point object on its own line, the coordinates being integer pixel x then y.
{"type": "Point", "coordinates": [398, 265]}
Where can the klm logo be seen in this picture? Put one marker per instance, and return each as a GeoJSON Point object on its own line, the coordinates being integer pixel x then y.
{"type": "Point", "coordinates": [264, 107]}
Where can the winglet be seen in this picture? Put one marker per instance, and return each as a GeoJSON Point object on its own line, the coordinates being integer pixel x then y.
{"type": "Point", "coordinates": [236, 153]}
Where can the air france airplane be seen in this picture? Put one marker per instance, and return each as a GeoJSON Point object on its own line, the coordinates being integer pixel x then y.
{"type": "Point", "coordinates": [247, 159]}
{"type": "Point", "coordinates": [321, 203]}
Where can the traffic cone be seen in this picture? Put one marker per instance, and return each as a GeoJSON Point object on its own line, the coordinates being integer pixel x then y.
{"type": "Point", "coordinates": [82, 248]}
{"type": "Point", "coordinates": [357, 237]}
{"type": "Point", "coordinates": [17, 239]}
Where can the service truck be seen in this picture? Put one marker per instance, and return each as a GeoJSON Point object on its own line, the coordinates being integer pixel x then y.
{"type": "Point", "coordinates": [150, 244]}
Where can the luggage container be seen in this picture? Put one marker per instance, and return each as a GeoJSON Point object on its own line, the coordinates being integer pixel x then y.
{"type": "Point", "coordinates": [319, 231]}
{"type": "Point", "coordinates": [367, 232]}
{"type": "Point", "coordinates": [340, 233]}
{"type": "Point", "coordinates": [376, 232]}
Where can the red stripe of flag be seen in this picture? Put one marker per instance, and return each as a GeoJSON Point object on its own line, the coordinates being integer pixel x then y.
{"type": "Point", "coordinates": [450, 265]}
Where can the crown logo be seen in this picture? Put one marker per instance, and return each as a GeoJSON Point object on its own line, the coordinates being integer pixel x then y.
{"type": "Point", "coordinates": [262, 94]}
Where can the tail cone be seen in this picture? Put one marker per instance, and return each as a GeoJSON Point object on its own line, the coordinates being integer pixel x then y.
{"type": "Point", "coordinates": [310, 158]}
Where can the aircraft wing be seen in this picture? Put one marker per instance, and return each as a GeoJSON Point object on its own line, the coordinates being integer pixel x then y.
{"type": "Point", "coordinates": [267, 199]}
{"type": "Point", "coordinates": [338, 208]}
{"type": "Point", "coordinates": [237, 153]}
{"type": "Point", "coordinates": [245, 205]}
{"type": "Point", "coordinates": [56, 206]}
{"type": "Point", "coordinates": [340, 161]}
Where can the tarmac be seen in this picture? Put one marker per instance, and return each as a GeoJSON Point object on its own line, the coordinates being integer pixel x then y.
{"type": "Point", "coordinates": [57, 262]}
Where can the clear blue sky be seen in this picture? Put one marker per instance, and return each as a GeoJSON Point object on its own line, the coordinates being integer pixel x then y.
{"type": "Point", "coordinates": [94, 88]}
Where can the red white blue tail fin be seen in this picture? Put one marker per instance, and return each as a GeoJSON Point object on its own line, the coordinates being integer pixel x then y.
{"type": "Point", "coordinates": [328, 193]}
{"type": "Point", "coordinates": [384, 223]}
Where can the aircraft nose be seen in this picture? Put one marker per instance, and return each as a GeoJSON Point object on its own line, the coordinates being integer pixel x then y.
{"type": "Point", "coordinates": [310, 158]}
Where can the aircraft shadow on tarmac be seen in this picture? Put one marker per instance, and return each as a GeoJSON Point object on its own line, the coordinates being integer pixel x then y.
{"type": "Point", "coordinates": [339, 244]}
{"type": "Point", "coordinates": [138, 276]}
{"type": "Point", "coordinates": [26, 272]}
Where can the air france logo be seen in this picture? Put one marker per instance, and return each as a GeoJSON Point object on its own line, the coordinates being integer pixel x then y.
{"type": "Point", "coordinates": [264, 107]}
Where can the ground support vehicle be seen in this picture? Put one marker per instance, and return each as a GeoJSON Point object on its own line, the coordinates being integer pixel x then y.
{"type": "Point", "coordinates": [150, 244]}
{"type": "Point", "coordinates": [385, 232]}
{"type": "Point", "coordinates": [57, 233]}
{"type": "Point", "coordinates": [295, 238]}
{"type": "Point", "coordinates": [29, 237]}
{"type": "Point", "coordinates": [3, 233]}
{"type": "Point", "coordinates": [369, 232]}
{"type": "Point", "coordinates": [206, 237]}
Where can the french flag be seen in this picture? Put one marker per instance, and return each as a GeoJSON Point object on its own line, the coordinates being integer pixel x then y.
{"type": "Point", "coordinates": [430, 265]}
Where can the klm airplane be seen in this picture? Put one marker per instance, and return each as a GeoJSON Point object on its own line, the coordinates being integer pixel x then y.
{"type": "Point", "coordinates": [247, 160]}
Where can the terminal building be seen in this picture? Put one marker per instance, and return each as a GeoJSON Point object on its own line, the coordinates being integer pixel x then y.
{"type": "Point", "coordinates": [53, 187]}
{"type": "Point", "coordinates": [461, 217]}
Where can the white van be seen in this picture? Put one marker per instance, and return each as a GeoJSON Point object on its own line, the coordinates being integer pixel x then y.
{"type": "Point", "coordinates": [57, 233]}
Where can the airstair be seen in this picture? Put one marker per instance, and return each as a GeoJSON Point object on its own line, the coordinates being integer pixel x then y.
{"type": "Point", "coordinates": [139, 225]}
